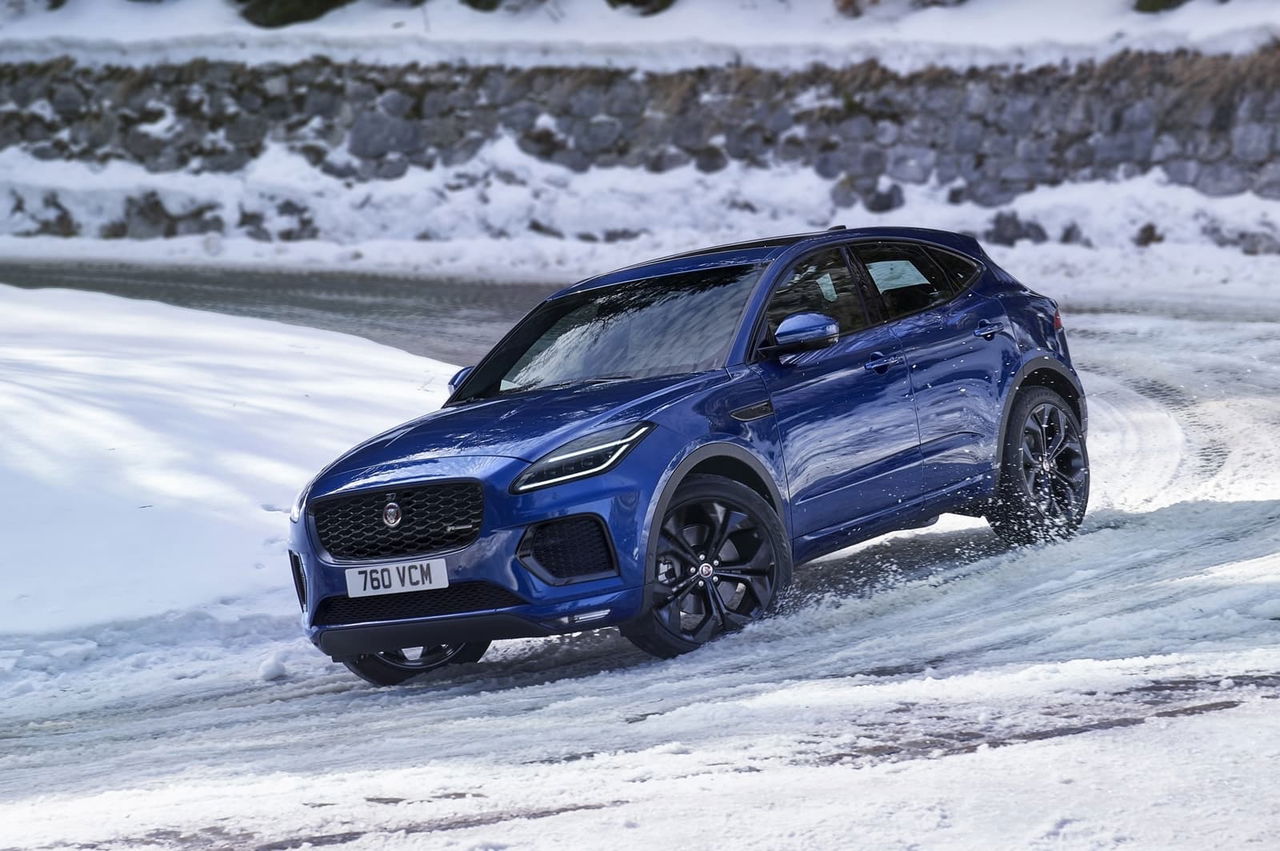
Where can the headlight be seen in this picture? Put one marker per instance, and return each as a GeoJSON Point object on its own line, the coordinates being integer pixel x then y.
{"type": "Point", "coordinates": [295, 513]}
{"type": "Point", "coordinates": [586, 456]}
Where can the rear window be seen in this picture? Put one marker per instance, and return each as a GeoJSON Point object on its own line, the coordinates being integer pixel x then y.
{"type": "Point", "coordinates": [959, 270]}
{"type": "Point", "coordinates": [907, 277]}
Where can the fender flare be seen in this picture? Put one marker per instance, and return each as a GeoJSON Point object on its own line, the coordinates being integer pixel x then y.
{"type": "Point", "coordinates": [678, 474]}
{"type": "Point", "coordinates": [1039, 362]}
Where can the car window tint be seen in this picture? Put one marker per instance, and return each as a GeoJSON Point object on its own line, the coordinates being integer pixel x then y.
{"type": "Point", "coordinates": [906, 276]}
{"type": "Point", "coordinates": [821, 283]}
{"type": "Point", "coordinates": [958, 270]}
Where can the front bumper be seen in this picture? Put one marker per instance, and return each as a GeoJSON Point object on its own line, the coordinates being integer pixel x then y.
{"type": "Point", "coordinates": [620, 499]}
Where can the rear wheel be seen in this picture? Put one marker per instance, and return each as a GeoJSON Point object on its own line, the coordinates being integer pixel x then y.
{"type": "Point", "coordinates": [1044, 475]}
{"type": "Point", "coordinates": [392, 667]}
{"type": "Point", "coordinates": [722, 561]}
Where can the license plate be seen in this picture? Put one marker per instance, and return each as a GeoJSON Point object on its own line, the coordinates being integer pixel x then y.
{"type": "Point", "coordinates": [397, 578]}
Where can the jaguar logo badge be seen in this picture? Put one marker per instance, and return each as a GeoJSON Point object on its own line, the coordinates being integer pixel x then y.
{"type": "Point", "coordinates": [392, 515]}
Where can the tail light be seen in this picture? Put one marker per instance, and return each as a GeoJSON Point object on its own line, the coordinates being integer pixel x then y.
{"type": "Point", "coordinates": [1057, 320]}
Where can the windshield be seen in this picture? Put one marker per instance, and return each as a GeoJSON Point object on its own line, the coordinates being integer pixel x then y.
{"type": "Point", "coordinates": [655, 326]}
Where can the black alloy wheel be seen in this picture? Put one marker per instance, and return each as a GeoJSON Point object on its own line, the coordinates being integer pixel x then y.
{"type": "Point", "coordinates": [392, 667]}
{"type": "Point", "coordinates": [721, 562]}
{"type": "Point", "coordinates": [1044, 476]}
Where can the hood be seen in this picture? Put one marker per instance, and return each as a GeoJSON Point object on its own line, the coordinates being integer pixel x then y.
{"type": "Point", "coordinates": [524, 426]}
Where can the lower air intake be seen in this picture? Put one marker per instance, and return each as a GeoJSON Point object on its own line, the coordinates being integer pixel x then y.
{"type": "Point", "coordinates": [574, 548]}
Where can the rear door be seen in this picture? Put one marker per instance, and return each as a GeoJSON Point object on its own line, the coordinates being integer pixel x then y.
{"type": "Point", "coordinates": [845, 413]}
{"type": "Point", "coordinates": [957, 344]}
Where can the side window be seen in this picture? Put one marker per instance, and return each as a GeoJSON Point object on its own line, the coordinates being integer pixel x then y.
{"type": "Point", "coordinates": [958, 270]}
{"type": "Point", "coordinates": [820, 283]}
{"type": "Point", "coordinates": [906, 276]}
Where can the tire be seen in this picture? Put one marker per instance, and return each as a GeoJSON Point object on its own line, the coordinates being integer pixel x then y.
{"type": "Point", "coordinates": [698, 594]}
{"type": "Point", "coordinates": [1041, 496]}
{"type": "Point", "coordinates": [392, 667]}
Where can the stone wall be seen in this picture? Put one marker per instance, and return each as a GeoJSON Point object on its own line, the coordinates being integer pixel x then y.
{"type": "Point", "coordinates": [1209, 122]}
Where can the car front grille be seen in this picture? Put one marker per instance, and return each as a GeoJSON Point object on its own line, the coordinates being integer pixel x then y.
{"type": "Point", "coordinates": [570, 548]}
{"type": "Point", "coordinates": [434, 517]}
{"type": "Point", "coordinates": [461, 598]}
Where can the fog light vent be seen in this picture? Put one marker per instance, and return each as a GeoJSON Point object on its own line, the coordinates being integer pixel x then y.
{"type": "Point", "coordinates": [569, 550]}
{"type": "Point", "coordinates": [299, 578]}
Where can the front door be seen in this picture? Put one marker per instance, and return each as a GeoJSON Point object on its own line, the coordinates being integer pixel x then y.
{"type": "Point", "coordinates": [845, 413]}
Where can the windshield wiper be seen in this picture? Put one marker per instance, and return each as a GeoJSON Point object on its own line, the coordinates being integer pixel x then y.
{"type": "Point", "coordinates": [556, 385]}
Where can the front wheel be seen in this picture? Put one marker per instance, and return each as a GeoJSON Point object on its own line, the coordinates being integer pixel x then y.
{"type": "Point", "coordinates": [1044, 475]}
{"type": "Point", "coordinates": [392, 667]}
{"type": "Point", "coordinates": [722, 561]}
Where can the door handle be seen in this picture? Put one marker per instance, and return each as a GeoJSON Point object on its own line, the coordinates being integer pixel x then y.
{"type": "Point", "coordinates": [882, 363]}
{"type": "Point", "coordinates": [987, 330]}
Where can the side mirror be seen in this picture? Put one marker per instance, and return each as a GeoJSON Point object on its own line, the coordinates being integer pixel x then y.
{"type": "Point", "coordinates": [804, 332]}
{"type": "Point", "coordinates": [459, 377]}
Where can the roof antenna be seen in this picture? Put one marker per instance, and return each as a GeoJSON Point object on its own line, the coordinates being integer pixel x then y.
{"type": "Point", "coordinates": [837, 227]}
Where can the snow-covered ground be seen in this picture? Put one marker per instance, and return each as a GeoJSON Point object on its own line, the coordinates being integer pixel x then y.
{"type": "Point", "coordinates": [474, 220]}
{"type": "Point", "coordinates": [787, 33]}
{"type": "Point", "coordinates": [928, 690]}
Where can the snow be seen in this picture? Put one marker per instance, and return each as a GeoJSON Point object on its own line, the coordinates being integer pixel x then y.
{"type": "Point", "coordinates": [929, 688]}
{"type": "Point", "coordinates": [474, 219]}
{"type": "Point", "coordinates": [784, 33]}
{"type": "Point", "coordinates": [151, 453]}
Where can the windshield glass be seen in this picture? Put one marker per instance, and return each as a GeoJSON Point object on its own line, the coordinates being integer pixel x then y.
{"type": "Point", "coordinates": [655, 326]}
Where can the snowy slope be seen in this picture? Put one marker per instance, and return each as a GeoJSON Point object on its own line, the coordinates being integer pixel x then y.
{"type": "Point", "coordinates": [151, 453]}
{"type": "Point", "coordinates": [930, 688]}
{"type": "Point", "coordinates": [788, 33]}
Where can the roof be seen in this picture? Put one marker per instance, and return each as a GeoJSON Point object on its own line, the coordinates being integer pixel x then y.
{"type": "Point", "coordinates": [763, 251]}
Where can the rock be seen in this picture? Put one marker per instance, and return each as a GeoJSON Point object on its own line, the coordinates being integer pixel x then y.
{"type": "Point", "coordinates": [1072, 235]}
{"type": "Point", "coordinates": [1267, 183]}
{"type": "Point", "coordinates": [967, 136]}
{"type": "Point", "coordinates": [276, 86]}
{"type": "Point", "coordinates": [392, 168]}
{"type": "Point", "coordinates": [597, 135]}
{"type": "Point", "coordinates": [1251, 143]}
{"type": "Point", "coordinates": [572, 159]}
{"type": "Point", "coordinates": [690, 134]}
{"type": "Point", "coordinates": [586, 102]}
{"type": "Point", "coordinates": [886, 133]}
{"type": "Point", "coordinates": [146, 218]}
{"type": "Point", "coordinates": [1182, 171]}
{"type": "Point", "coordinates": [856, 129]}
{"type": "Point", "coordinates": [843, 193]}
{"type": "Point", "coordinates": [911, 164]}
{"type": "Point", "coordinates": [67, 101]}
{"type": "Point", "coordinates": [374, 135]}
{"type": "Point", "coordinates": [978, 98]}
{"type": "Point", "coordinates": [519, 117]}
{"type": "Point", "coordinates": [435, 103]}
{"type": "Point", "coordinates": [1148, 234]}
{"type": "Point", "coordinates": [666, 160]}
{"type": "Point", "coordinates": [395, 103]}
{"type": "Point", "coordinates": [320, 102]}
{"type": "Point", "coordinates": [1222, 178]}
{"type": "Point", "coordinates": [882, 201]}
{"type": "Point", "coordinates": [142, 145]}
{"type": "Point", "coordinates": [625, 97]}
{"type": "Point", "coordinates": [1006, 229]}
{"type": "Point", "coordinates": [710, 159]}
{"type": "Point", "coordinates": [540, 143]}
{"type": "Point", "coordinates": [246, 130]}
{"type": "Point", "coordinates": [748, 143]}
{"type": "Point", "coordinates": [1019, 113]}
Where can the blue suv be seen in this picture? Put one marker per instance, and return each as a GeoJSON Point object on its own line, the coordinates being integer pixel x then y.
{"type": "Point", "coordinates": [655, 448]}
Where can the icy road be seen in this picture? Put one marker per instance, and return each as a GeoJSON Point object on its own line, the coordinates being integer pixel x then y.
{"type": "Point", "coordinates": [929, 689]}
